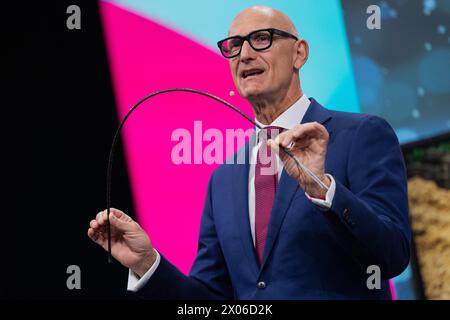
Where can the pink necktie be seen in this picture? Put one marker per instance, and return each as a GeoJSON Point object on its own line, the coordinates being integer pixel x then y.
{"type": "Point", "coordinates": [266, 179]}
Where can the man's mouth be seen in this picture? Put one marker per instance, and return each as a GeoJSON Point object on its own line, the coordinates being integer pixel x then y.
{"type": "Point", "coordinates": [251, 73]}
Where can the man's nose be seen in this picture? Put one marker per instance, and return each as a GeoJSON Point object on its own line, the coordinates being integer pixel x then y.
{"type": "Point", "coordinates": [247, 52]}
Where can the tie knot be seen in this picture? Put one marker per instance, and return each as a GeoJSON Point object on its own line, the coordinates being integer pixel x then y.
{"type": "Point", "coordinates": [270, 132]}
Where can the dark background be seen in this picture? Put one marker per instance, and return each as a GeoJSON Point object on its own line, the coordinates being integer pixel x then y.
{"type": "Point", "coordinates": [57, 126]}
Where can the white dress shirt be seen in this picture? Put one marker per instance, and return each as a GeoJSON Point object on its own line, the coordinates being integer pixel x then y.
{"type": "Point", "coordinates": [287, 120]}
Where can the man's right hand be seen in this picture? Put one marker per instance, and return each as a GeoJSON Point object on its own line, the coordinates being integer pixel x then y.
{"type": "Point", "coordinates": [130, 245]}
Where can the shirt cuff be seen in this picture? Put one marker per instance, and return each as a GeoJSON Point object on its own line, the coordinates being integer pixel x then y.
{"type": "Point", "coordinates": [134, 283]}
{"type": "Point", "coordinates": [325, 204]}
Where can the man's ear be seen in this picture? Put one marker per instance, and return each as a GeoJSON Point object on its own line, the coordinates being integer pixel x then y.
{"type": "Point", "coordinates": [302, 53]}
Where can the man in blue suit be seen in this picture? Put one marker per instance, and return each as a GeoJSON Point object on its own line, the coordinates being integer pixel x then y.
{"type": "Point", "coordinates": [269, 230]}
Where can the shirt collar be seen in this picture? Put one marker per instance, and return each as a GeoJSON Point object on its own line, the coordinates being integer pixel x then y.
{"type": "Point", "coordinates": [289, 118]}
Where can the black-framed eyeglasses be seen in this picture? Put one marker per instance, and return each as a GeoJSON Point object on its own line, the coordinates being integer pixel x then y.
{"type": "Point", "coordinates": [259, 40]}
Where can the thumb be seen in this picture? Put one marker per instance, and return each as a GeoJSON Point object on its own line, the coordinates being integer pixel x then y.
{"type": "Point", "coordinates": [274, 145]}
{"type": "Point", "coordinates": [120, 224]}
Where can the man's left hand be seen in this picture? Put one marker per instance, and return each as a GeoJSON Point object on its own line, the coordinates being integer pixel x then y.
{"type": "Point", "coordinates": [308, 142]}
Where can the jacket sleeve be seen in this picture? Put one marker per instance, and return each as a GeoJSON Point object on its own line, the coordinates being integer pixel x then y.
{"type": "Point", "coordinates": [208, 278]}
{"type": "Point", "coordinates": [374, 204]}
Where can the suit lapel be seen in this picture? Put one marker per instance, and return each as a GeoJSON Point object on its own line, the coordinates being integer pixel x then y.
{"type": "Point", "coordinates": [316, 113]}
{"type": "Point", "coordinates": [288, 186]}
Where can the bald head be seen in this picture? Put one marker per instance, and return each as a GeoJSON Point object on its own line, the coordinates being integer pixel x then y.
{"type": "Point", "coordinates": [268, 75]}
{"type": "Point", "coordinates": [260, 17]}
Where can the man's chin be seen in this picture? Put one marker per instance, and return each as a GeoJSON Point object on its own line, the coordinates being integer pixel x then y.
{"type": "Point", "coordinates": [251, 93]}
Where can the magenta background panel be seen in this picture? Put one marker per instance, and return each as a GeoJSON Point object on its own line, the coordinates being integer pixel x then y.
{"type": "Point", "coordinates": [145, 56]}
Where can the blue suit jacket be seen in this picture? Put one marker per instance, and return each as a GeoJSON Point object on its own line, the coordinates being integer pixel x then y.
{"type": "Point", "coordinates": [310, 253]}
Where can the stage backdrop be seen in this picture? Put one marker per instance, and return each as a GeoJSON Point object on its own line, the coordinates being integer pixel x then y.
{"type": "Point", "coordinates": [154, 45]}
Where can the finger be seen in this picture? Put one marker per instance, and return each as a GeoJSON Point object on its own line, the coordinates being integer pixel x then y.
{"type": "Point", "coordinates": [297, 139]}
{"type": "Point", "coordinates": [275, 146]}
{"type": "Point", "coordinates": [301, 129]}
{"type": "Point", "coordinates": [120, 214]}
{"type": "Point", "coordinates": [122, 225]}
{"type": "Point", "coordinates": [101, 218]}
{"type": "Point", "coordinates": [282, 151]}
{"type": "Point", "coordinates": [300, 143]}
{"type": "Point", "coordinates": [290, 145]}
{"type": "Point", "coordinates": [277, 150]}
{"type": "Point", "coordinates": [98, 215]}
{"type": "Point", "coordinates": [100, 229]}
{"type": "Point", "coordinates": [96, 236]}
{"type": "Point", "coordinates": [314, 129]}
{"type": "Point", "coordinates": [104, 217]}
{"type": "Point", "coordinates": [93, 224]}
{"type": "Point", "coordinates": [284, 138]}
{"type": "Point", "coordinates": [98, 218]}
{"type": "Point", "coordinates": [92, 234]}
